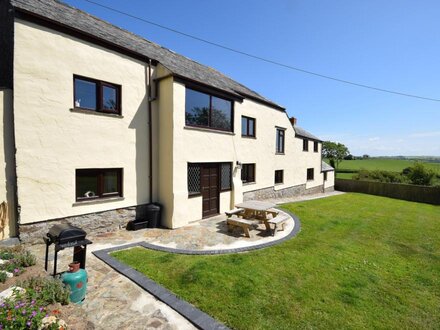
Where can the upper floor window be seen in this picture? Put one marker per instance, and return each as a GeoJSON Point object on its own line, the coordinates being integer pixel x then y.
{"type": "Point", "coordinates": [205, 110]}
{"type": "Point", "coordinates": [280, 140]}
{"type": "Point", "coordinates": [279, 176]}
{"type": "Point", "coordinates": [315, 146]}
{"type": "Point", "coordinates": [247, 126]}
{"type": "Point", "coordinates": [98, 183]}
{"type": "Point", "coordinates": [310, 174]}
{"type": "Point", "coordinates": [95, 95]}
{"type": "Point", "coordinates": [305, 145]}
{"type": "Point", "coordinates": [248, 173]}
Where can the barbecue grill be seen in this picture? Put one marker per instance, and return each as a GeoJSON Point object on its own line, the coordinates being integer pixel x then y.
{"type": "Point", "coordinates": [66, 236]}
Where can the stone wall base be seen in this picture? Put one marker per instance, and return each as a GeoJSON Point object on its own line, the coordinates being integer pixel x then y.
{"type": "Point", "coordinates": [314, 190]}
{"type": "Point", "coordinates": [295, 191]}
{"type": "Point", "coordinates": [93, 223]}
{"type": "Point", "coordinates": [329, 189]}
{"type": "Point", "coordinates": [267, 193]}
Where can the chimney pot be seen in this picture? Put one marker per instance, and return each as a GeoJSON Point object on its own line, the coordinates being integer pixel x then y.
{"type": "Point", "coordinates": [292, 120]}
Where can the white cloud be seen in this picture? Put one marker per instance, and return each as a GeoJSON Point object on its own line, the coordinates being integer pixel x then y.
{"type": "Point", "coordinates": [376, 138]}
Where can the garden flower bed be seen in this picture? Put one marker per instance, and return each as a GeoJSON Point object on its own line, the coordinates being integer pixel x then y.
{"type": "Point", "coordinates": [35, 300]}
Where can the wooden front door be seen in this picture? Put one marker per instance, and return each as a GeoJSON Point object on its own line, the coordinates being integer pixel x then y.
{"type": "Point", "coordinates": [210, 189]}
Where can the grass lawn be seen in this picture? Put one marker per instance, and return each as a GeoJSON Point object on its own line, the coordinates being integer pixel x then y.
{"type": "Point", "coordinates": [360, 261]}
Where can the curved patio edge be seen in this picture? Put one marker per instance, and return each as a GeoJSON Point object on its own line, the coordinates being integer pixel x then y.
{"type": "Point", "coordinates": [295, 230]}
{"type": "Point", "coordinates": [194, 315]}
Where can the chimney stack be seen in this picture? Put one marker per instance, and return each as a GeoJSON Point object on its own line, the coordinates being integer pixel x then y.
{"type": "Point", "coordinates": [293, 121]}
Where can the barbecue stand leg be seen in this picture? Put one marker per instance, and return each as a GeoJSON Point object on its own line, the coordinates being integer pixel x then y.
{"type": "Point", "coordinates": [47, 256]}
{"type": "Point", "coordinates": [55, 263]}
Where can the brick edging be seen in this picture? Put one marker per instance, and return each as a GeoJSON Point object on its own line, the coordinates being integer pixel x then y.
{"type": "Point", "coordinates": [198, 318]}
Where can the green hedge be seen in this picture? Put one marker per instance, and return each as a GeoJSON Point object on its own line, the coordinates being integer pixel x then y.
{"type": "Point", "coordinates": [422, 194]}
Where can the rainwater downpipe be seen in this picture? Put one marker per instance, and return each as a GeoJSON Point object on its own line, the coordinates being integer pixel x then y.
{"type": "Point", "coordinates": [150, 135]}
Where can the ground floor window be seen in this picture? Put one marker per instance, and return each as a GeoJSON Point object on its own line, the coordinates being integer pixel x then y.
{"type": "Point", "coordinates": [248, 173]}
{"type": "Point", "coordinates": [310, 174]}
{"type": "Point", "coordinates": [98, 183]}
{"type": "Point", "coordinates": [325, 176]}
{"type": "Point", "coordinates": [279, 176]}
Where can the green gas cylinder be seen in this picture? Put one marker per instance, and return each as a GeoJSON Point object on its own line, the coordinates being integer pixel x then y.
{"type": "Point", "coordinates": [76, 279]}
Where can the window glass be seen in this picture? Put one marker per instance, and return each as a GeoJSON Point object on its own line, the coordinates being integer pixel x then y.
{"type": "Point", "coordinates": [280, 141]}
{"type": "Point", "coordinates": [110, 182]}
{"type": "Point", "coordinates": [248, 173]}
{"type": "Point", "coordinates": [87, 185]}
{"type": "Point", "coordinates": [226, 171]}
{"type": "Point", "coordinates": [247, 126]}
{"type": "Point", "coordinates": [193, 179]}
{"type": "Point", "coordinates": [279, 176]}
{"type": "Point", "coordinates": [98, 183]}
{"type": "Point", "coordinates": [305, 145]}
{"type": "Point", "coordinates": [85, 94]}
{"type": "Point", "coordinates": [310, 174]}
{"type": "Point", "coordinates": [109, 101]}
{"type": "Point", "coordinates": [221, 114]}
{"type": "Point", "coordinates": [244, 128]}
{"type": "Point", "coordinates": [196, 108]}
{"type": "Point", "coordinates": [251, 127]}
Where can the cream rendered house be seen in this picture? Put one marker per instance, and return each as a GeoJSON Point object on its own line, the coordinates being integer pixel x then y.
{"type": "Point", "coordinates": [98, 122]}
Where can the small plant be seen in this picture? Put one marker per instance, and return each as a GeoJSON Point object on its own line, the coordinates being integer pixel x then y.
{"type": "Point", "coordinates": [25, 259]}
{"type": "Point", "coordinates": [46, 290]}
{"type": "Point", "coordinates": [6, 255]}
{"type": "Point", "coordinates": [3, 277]}
{"type": "Point", "coordinates": [13, 267]}
{"type": "Point", "coordinates": [18, 314]}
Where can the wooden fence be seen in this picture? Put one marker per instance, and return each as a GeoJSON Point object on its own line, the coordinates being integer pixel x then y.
{"type": "Point", "coordinates": [422, 194]}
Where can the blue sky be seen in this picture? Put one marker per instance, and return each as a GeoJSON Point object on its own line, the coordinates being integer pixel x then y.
{"type": "Point", "coordinates": [390, 44]}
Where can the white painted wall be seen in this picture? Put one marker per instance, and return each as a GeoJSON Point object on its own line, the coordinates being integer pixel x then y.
{"type": "Point", "coordinates": [6, 171]}
{"type": "Point", "coordinates": [191, 145]}
{"type": "Point", "coordinates": [52, 141]}
{"type": "Point", "coordinates": [330, 179]}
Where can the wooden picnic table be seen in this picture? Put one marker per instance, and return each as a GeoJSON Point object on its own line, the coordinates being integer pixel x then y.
{"type": "Point", "coordinates": [258, 210]}
{"type": "Point", "coordinates": [256, 205]}
{"type": "Point", "coordinates": [247, 212]}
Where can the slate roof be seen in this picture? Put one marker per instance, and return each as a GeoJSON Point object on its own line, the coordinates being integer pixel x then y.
{"type": "Point", "coordinates": [326, 167]}
{"type": "Point", "coordinates": [300, 132]}
{"type": "Point", "coordinates": [79, 20]}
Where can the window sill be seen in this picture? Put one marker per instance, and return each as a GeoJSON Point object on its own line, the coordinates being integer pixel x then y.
{"type": "Point", "coordinates": [278, 184]}
{"type": "Point", "coordinates": [194, 195]}
{"type": "Point", "coordinates": [248, 183]}
{"type": "Point", "coordinates": [279, 153]}
{"type": "Point", "coordinates": [99, 201]}
{"type": "Point", "coordinates": [210, 130]}
{"type": "Point", "coordinates": [310, 180]}
{"type": "Point", "coordinates": [96, 113]}
{"type": "Point", "coordinates": [249, 137]}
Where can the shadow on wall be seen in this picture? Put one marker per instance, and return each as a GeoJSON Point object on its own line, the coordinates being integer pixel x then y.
{"type": "Point", "coordinates": [9, 159]}
{"type": "Point", "coordinates": [140, 124]}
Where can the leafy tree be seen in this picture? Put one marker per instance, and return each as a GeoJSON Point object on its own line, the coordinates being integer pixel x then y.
{"type": "Point", "coordinates": [419, 174]}
{"type": "Point", "coordinates": [334, 151]}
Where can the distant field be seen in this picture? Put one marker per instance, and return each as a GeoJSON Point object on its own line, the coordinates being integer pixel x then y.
{"type": "Point", "coordinates": [393, 165]}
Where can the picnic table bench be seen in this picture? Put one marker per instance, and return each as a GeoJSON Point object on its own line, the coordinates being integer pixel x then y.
{"type": "Point", "coordinates": [245, 224]}
{"type": "Point", "coordinates": [279, 220]}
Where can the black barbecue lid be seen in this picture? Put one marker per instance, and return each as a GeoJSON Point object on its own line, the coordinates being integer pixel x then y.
{"type": "Point", "coordinates": [65, 230]}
